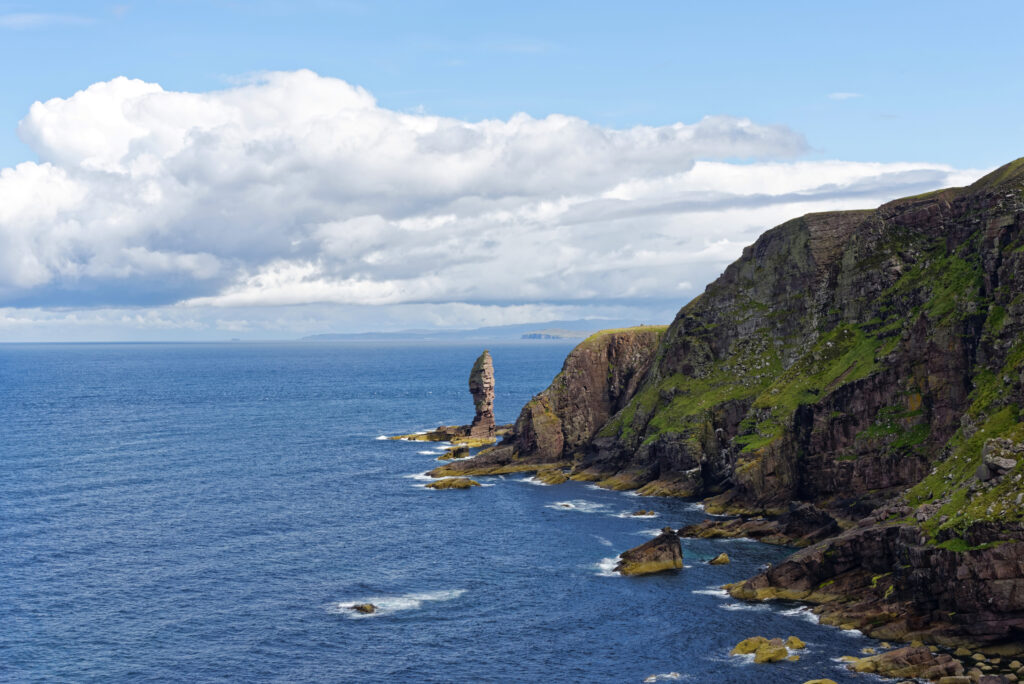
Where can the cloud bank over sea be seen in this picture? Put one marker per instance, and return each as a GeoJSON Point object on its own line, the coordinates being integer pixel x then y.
{"type": "Point", "coordinates": [296, 203]}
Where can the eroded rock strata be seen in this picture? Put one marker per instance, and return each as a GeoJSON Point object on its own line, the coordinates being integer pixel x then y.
{"type": "Point", "coordinates": [481, 386]}
{"type": "Point", "coordinates": [869, 364]}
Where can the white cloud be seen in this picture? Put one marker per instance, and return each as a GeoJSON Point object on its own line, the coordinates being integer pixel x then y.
{"type": "Point", "coordinates": [297, 190]}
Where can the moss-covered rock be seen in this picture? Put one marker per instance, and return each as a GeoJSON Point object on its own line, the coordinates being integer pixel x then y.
{"type": "Point", "coordinates": [771, 652]}
{"type": "Point", "coordinates": [551, 476]}
{"type": "Point", "coordinates": [795, 643]}
{"type": "Point", "coordinates": [453, 483]}
{"type": "Point", "coordinates": [748, 646]}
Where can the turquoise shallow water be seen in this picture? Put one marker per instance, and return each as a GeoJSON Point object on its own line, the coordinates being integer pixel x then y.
{"type": "Point", "coordinates": [206, 512]}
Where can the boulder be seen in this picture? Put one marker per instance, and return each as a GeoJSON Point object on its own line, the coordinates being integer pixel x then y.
{"type": "Point", "coordinates": [795, 643]}
{"type": "Point", "coordinates": [720, 559]}
{"type": "Point", "coordinates": [658, 555]}
{"type": "Point", "coordinates": [748, 646]}
{"type": "Point", "coordinates": [365, 608]}
{"type": "Point", "coordinates": [771, 651]}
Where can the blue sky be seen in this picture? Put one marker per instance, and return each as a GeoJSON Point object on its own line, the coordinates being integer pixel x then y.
{"type": "Point", "coordinates": [875, 100]}
{"type": "Point", "coordinates": [937, 81]}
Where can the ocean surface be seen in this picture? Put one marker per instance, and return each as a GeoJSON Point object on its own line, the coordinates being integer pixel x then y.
{"type": "Point", "coordinates": [208, 512]}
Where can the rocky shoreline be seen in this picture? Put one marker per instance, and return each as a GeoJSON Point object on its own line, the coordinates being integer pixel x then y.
{"type": "Point", "coordinates": [852, 386]}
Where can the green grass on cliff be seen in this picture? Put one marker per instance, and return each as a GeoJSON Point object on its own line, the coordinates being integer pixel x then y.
{"type": "Point", "coordinates": [961, 498]}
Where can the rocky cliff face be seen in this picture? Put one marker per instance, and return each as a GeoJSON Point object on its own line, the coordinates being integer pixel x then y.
{"type": "Point", "coordinates": [861, 363]}
{"type": "Point", "coordinates": [481, 386]}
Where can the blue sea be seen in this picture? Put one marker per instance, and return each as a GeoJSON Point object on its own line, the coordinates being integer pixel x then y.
{"type": "Point", "coordinates": [209, 512]}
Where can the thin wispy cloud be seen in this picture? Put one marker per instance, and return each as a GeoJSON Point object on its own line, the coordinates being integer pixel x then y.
{"type": "Point", "coordinates": [30, 20]}
{"type": "Point", "coordinates": [844, 96]}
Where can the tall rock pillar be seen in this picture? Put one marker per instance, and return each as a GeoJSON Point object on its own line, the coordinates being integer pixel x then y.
{"type": "Point", "coordinates": [481, 386]}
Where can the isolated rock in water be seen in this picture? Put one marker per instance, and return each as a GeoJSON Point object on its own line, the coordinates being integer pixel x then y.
{"type": "Point", "coordinates": [748, 646]}
{"type": "Point", "coordinates": [795, 643]}
{"type": "Point", "coordinates": [365, 608]}
{"type": "Point", "coordinates": [771, 651]}
{"type": "Point", "coordinates": [720, 559]}
{"type": "Point", "coordinates": [481, 386]}
{"type": "Point", "coordinates": [453, 483]}
{"type": "Point", "coordinates": [658, 555]}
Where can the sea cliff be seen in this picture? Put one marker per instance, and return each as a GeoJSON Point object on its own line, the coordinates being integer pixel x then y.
{"type": "Point", "coordinates": [864, 367]}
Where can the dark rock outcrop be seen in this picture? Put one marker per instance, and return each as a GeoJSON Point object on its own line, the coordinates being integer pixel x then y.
{"type": "Point", "coordinates": [481, 386]}
{"type": "Point", "coordinates": [658, 555]}
{"type": "Point", "coordinates": [802, 525]}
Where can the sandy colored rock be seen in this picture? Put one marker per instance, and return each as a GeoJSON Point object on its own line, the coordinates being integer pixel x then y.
{"type": "Point", "coordinates": [771, 652]}
{"type": "Point", "coordinates": [795, 643]}
{"type": "Point", "coordinates": [748, 646]}
{"type": "Point", "coordinates": [720, 559]}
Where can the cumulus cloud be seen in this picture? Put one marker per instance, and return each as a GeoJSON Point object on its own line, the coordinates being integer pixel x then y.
{"type": "Point", "coordinates": [297, 190]}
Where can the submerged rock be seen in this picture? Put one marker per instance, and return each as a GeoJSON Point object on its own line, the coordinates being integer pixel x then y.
{"type": "Point", "coordinates": [365, 608]}
{"type": "Point", "coordinates": [658, 555]}
{"type": "Point", "coordinates": [481, 386]}
{"type": "Point", "coordinates": [453, 483]}
{"type": "Point", "coordinates": [720, 559]}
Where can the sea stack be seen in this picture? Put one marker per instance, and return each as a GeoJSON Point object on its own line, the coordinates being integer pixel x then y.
{"type": "Point", "coordinates": [481, 386]}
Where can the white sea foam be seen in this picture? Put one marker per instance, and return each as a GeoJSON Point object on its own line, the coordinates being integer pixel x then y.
{"type": "Point", "coordinates": [579, 505]}
{"type": "Point", "coordinates": [422, 477]}
{"type": "Point", "coordinates": [851, 632]}
{"type": "Point", "coordinates": [602, 540]}
{"type": "Point", "coordinates": [666, 677]}
{"type": "Point", "coordinates": [803, 613]}
{"type": "Point", "coordinates": [712, 591]}
{"type": "Point", "coordinates": [651, 532]}
{"type": "Point", "coordinates": [752, 607]}
{"type": "Point", "coordinates": [429, 453]}
{"type": "Point", "coordinates": [606, 567]}
{"type": "Point", "coordinates": [380, 437]}
{"type": "Point", "coordinates": [392, 604]}
{"type": "Point", "coordinates": [631, 514]}
{"type": "Point", "coordinates": [533, 481]}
